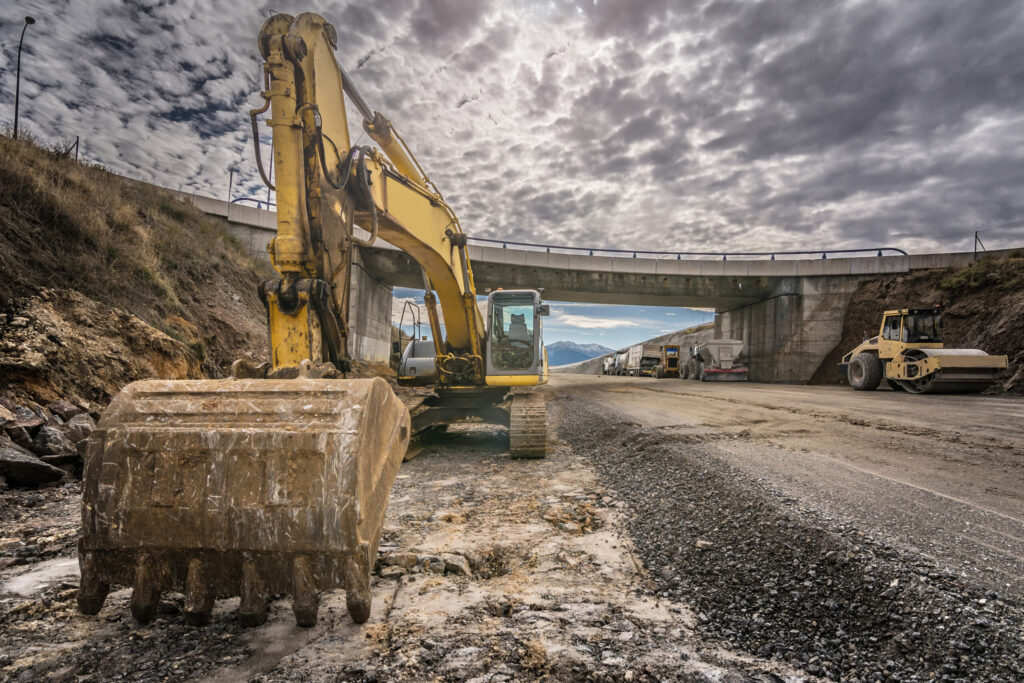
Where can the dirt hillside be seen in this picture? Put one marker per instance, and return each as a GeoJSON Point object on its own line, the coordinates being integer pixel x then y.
{"type": "Point", "coordinates": [983, 308]}
{"type": "Point", "coordinates": [104, 280]}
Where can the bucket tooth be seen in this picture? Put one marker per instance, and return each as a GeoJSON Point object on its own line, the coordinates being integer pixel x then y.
{"type": "Point", "coordinates": [305, 597]}
{"type": "Point", "coordinates": [252, 610]}
{"type": "Point", "coordinates": [357, 590]}
{"type": "Point", "coordinates": [92, 592]}
{"type": "Point", "coordinates": [198, 598]}
{"type": "Point", "coordinates": [145, 592]}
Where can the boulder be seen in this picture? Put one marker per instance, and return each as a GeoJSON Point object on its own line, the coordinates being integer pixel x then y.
{"type": "Point", "coordinates": [456, 564]}
{"type": "Point", "coordinates": [6, 416]}
{"type": "Point", "coordinates": [64, 409]}
{"type": "Point", "coordinates": [19, 435]}
{"type": "Point", "coordinates": [79, 427]}
{"type": "Point", "coordinates": [52, 441]}
{"type": "Point", "coordinates": [19, 467]}
{"type": "Point", "coordinates": [26, 419]}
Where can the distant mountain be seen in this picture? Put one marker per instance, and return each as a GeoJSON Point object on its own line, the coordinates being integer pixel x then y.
{"type": "Point", "coordinates": [566, 352]}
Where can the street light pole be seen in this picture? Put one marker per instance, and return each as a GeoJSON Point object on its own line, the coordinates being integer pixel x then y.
{"type": "Point", "coordinates": [17, 81]}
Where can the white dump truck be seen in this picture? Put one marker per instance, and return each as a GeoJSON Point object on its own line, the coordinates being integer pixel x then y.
{"type": "Point", "coordinates": [714, 361]}
{"type": "Point", "coordinates": [608, 365]}
{"type": "Point", "coordinates": [619, 367]}
{"type": "Point", "coordinates": [641, 359]}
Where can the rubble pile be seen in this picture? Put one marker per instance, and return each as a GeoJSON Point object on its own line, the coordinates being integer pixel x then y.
{"type": "Point", "coordinates": [41, 445]}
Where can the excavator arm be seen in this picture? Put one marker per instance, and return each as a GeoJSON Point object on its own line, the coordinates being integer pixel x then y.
{"type": "Point", "coordinates": [326, 186]}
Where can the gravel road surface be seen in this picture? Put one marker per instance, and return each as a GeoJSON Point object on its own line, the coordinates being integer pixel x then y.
{"type": "Point", "coordinates": [676, 531]}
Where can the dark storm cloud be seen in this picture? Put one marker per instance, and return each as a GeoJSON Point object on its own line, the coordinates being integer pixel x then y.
{"type": "Point", "coordinates": [712, 124]}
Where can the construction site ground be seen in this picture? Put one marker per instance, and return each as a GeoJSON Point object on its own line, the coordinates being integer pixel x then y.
{"type": "Point", "coordinates": [676, 531]}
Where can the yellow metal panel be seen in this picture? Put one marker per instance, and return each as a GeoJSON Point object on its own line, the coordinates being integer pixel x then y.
{"type": "Point", "coordinates": [293, 338]}
{"type": "Point", "coordinates": [512, 380]}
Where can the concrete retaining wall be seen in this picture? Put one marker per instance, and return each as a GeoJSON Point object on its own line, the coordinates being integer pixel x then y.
{"type": "Point", "coordinates": [369, 316]}
{"type": "Point", "coordinates": [788, 335]}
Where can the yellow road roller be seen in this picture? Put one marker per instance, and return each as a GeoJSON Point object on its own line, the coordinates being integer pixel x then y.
{"type": "Point", "coordinates": [909, 355]}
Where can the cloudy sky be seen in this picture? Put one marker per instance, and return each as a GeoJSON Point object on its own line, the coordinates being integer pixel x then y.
{"type": "Point", "coordinates": [664, 124]}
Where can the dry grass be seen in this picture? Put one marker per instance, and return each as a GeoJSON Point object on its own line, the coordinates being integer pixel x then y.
{"type": "Point", "coordinates": [124, 243]}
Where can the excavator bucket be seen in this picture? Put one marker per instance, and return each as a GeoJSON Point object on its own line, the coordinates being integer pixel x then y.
{"type": "Point", "coordinates": [218, 488]}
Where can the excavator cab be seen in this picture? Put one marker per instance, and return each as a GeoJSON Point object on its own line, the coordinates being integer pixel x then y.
{"type": "Point", "coordinates": [515, 345]}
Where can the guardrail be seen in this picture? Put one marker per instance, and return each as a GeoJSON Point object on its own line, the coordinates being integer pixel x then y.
{"type": "Point", "coordinates": [259, 202]}
{"type": "Point", "coordinates": [878, 251]}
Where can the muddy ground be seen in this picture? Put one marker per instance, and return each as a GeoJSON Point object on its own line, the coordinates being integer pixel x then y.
{"type": "Point", "coordinates": [699, 538]}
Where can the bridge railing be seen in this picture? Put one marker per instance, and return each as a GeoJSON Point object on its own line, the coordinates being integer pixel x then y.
{"type": "Point", "coordinates": [724, 255]}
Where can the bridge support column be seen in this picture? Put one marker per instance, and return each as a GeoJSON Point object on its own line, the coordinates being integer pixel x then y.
{"type": "Point", "coordinates": [369, 337]}
{"type": "Point", "coordinates": [788, 335]}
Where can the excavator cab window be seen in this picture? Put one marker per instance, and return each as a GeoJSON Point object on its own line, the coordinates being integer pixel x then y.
{"type": "Point", "coordinates": [514, 336]}
{"type": "Point", "coordinates": [511, 343]}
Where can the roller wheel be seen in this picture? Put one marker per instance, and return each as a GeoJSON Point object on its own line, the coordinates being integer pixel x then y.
{"type": "Point", "coordinates": [895, 385]}
{"type": "Point", "coordinates": [528, 427]}
{"type": "Point", "coordinates": [865, 372]}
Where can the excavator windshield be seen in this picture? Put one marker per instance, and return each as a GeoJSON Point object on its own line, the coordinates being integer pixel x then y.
{"type": "Point", "coordinates": [512, 343]}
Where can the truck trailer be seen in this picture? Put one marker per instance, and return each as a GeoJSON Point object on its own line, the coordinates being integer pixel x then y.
{"type": "Point", "coordinates": [714, 361]}
{"type": "Point", "coordinates": [641, 359]}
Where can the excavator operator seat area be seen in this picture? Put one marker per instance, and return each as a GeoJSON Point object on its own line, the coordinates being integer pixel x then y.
{"type": "Point", "coordinates": [514, 343]}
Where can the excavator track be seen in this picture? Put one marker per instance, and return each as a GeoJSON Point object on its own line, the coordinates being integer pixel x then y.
{"type": "Point", "coordinates": [254, 487]}
{"type": "Point", "coordinates": [528, 426]}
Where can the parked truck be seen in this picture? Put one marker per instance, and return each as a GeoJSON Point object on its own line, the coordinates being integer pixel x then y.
{"type": "Point", "coordinates": [619, 367]}
{"type": "Point", "coordinates": [714, 361]}
{"type": "Point", "coordinates": [669, 363]}
{"type": "Point", "coordinates": [608, 365]}
{"type": "Point", "coordinates": [641, 359]}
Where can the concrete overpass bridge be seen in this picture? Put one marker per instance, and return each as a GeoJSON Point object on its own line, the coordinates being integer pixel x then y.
{"type": "Point", "coordinates": [787, 307]}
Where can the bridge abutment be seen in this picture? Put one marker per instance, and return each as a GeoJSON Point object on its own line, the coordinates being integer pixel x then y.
{"type": "Point", "coordinates": [787, 336]}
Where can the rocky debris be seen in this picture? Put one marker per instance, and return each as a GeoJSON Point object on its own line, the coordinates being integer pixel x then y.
{"type": "Point", "coordinates": [79, 427]}
{"type": "Point", "coordinates": [786, 584]}
{"type": "Point", "coordinates": [456, 564]}
{"type": "Point", "coordinates": [65, 410]}
{"type": "Point", "coordinates": [72, 352]}
{"type": "Point", "coordinates": [20, 467]}
{"type": "Point", "coordinates": [37, 442]}
{"type": "Point", "coordinates": [52, 441]}
{"type": "Point", "coordinates": [572, 516]}
{"type": "Point", "coordinates": [393, 563]}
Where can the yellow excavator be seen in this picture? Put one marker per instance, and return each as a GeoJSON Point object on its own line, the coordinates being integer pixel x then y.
{"type": "Point", "coordinates": [909, 355]}
{"type": "Point", "coordinates": [276, 480]}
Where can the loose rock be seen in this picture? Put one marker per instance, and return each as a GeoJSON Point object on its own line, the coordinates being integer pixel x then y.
{"type": "Point", "coordinates": [20, 467]}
